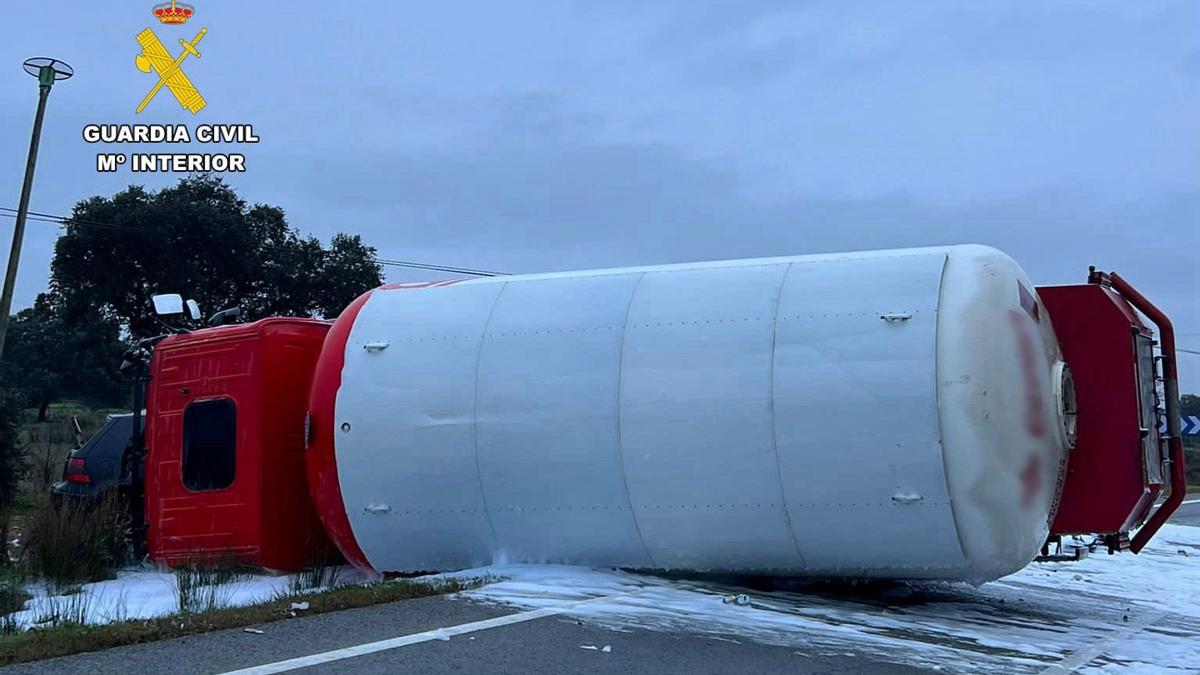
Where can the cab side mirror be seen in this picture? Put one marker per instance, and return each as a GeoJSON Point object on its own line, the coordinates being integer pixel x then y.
{"type": "Point", "coordinates": [193, 310]}
{"type": "Point", "coordinates": [168, 304]}
{"type": "Point", "coordinates": [225, 316]}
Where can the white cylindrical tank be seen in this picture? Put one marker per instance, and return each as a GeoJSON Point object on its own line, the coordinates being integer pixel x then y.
{"type": "Point", "coordinates": [880, 414]}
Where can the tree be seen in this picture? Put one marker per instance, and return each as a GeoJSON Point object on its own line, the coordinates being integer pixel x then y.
{"type": "Point", "coordinates": [12, 460]}
{"type": "Point", "coordinates": [348, 269]}
{"type": "Point", "coordinates": [1189, 404]}
{"type": "Point", "coordinates": [200, 239]}
{"type": "Point", "coordinates": [47, 359]}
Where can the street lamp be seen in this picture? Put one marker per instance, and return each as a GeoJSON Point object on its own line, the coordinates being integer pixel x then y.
{"type": "Point", "coordinates": [47, 71]}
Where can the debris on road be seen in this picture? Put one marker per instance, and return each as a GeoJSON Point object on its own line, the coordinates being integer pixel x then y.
{"type": "Point", "coordinates": [606, 648]}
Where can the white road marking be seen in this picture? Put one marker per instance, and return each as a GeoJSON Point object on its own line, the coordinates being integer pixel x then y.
{"type": "Point", "coordinates": [416, 638]}
{"type": "Point", "coordinates": [1189, 501]}
{"type": "Point", "coordinates": [1085, 655]}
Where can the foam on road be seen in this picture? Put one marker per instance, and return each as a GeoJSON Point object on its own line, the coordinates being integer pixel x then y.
{"type": "Point", "coordinates": [1123, 612]}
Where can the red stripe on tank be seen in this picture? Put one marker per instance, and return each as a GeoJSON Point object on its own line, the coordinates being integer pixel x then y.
{"type": "Point", "coordinates": [1027, 354]}
{"type": "Point", "coordinates": [413, 285]}
{"type": "Point", "coordinates": [322, 457]}
{"type": "Point", "coordinates": [1028, 302]}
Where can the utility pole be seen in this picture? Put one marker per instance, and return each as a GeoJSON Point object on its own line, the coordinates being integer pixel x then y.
{"type": "Point", "coordinates": [47, 71]}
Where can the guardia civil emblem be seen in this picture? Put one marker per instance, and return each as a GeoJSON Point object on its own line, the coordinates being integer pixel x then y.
{"type": "Point", "coordinates": [157, 60]}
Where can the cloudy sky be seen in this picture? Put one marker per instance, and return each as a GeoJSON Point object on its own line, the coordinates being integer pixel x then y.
{"type": "Point", "coordinates": [557, 135]}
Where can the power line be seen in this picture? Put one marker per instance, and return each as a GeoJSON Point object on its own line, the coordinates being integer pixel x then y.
{"type": "Point", "coordinates": [63, 221]}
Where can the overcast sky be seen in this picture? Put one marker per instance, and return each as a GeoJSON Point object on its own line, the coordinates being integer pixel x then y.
{"type": "Point", "coordinates": [529, 137]}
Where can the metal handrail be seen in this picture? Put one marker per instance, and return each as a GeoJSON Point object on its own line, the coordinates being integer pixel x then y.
{"type": "Point", "coordinates": [1174, 438]}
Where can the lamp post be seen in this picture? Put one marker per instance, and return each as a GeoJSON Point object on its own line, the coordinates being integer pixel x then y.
{"type": "Point", "coordinates": [47, 71]}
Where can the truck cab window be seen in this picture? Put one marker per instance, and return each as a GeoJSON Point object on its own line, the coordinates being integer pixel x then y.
{"type": "Point", "coordinates": [209, 444]}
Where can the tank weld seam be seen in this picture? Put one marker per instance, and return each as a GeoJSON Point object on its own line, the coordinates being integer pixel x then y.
{"type": "Point", "coordinates": [846, 315]}
{"type": "Point", "coordinates": [889, 503]}
{"type": "Point", "coordinates": [655, 324]}
{"type": "Point", "coordinates": [620, 418]}
{"type": "Point", "coordinates": [654, 507]}
{"type": "Point", "coordinates": [787, 517]}
{"type": "Point", "coordinates": [938, 402]}
{"type": "Point", "coordinates": [475, 427]}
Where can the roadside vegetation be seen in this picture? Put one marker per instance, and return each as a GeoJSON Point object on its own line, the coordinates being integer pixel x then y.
{"type": "Point", "coordinates": [1190, 405]}
{"type": "Point", "coordinates": [12, 597]}
{"type": "Point", "coordinates": [76, 542]}
{"type": "Point", "coordinates": [60, 548]}
{"type": "Point", "coordinates": [12, 467]}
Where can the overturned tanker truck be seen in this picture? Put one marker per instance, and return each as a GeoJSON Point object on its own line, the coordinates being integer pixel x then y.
{"type": "Point", "coordinates": [911, 414]}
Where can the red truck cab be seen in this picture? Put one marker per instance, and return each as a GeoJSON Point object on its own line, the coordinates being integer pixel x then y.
{"type": "Point", "coordinates": [225, 435]}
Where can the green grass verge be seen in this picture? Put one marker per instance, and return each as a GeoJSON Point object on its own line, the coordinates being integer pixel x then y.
{"type": "Point", "coordinates": [34, 645]}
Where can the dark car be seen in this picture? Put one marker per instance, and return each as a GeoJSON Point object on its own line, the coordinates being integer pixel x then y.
{"type": "Point", "coordinates": [96, 466]}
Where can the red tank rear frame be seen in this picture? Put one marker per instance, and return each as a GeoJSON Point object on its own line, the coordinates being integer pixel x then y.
{"type": "Point", "coordinates": [1122, 462]}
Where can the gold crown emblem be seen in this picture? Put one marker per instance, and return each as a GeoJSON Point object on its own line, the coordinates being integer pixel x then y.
{"type": "Point", "coordinates": [173, 13]}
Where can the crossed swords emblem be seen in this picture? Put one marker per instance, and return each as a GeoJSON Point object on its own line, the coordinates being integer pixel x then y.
{"type": "Point", "coordinates": [155, 57]}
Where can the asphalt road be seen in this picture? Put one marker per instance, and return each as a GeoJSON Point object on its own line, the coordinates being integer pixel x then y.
{"type": "Point", "coordinates": [554, 644]}
{"type": "Point", "coordinates": [1188, 514]}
